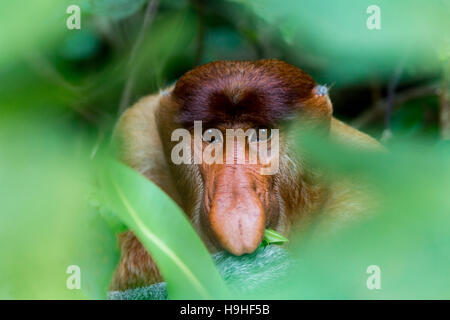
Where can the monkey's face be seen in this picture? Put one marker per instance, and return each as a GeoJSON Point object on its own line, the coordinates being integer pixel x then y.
{"type": "Point", "coordinates": [239, 198]}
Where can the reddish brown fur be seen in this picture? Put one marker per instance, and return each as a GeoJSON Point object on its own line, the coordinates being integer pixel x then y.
{"type": "Point", "coordinates": [259, 92]}
{"type": "Point", "coordinates": [226, 94]}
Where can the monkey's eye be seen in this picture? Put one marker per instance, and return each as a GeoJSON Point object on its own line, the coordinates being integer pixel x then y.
{"type": "Point", "coordinates": [261, 134]}
{"type": "Point", "coordinates": [212, 136]}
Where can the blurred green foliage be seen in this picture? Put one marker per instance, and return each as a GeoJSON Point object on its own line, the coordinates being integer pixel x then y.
{"type": "Point", "coordinates": [184, 261]}
{"type": "Point", "coordinates": [45, 225]}
{"type": "Point", "coordinates": [62, 90]}
{"type": "Point", "coordinates": [334, 36]}
{"type": "Point", "coordinates": [114, 9]}
{"type": "Point", "coordinates": [408, 237]}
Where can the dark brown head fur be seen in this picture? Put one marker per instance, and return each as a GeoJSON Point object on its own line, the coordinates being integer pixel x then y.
{"type": "Point", "coordinates": [259, 92]}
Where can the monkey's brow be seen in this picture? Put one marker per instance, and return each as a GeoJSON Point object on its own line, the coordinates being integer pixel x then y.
{"type": "Point", "coordinates": [236, 125]}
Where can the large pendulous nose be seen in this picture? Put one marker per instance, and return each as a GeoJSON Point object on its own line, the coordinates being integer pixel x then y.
{"type": "Point", "coordinates": [236, 215]}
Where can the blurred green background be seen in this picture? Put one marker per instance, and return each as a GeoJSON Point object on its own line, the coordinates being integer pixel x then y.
{"type": "Point", "coordinates": [62, 90]}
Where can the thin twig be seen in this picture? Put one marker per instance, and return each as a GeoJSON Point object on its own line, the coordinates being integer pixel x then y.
{"type": "Point", "coordinates": [400, 98]}
{"type": "Point", "coordinates": [97, 144]}
{"type": "Point", "coordinates": [128, 88]}
{"type": "Point", "coordinates": [200, 46]}
{"type": "Point", "coordinates": [392, 88]}
{"type": "Point", "coordinates": [148, 18]}
{"type": "Point", "coordinates": [44, 68]}
{"type": "Point", "coordinates": [47, 70]}
{"type": "Point", "coordinates": [444, 102]}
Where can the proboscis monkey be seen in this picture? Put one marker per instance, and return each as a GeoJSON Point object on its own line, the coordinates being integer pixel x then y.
{"type": "Point", "coordinates": [231, 204]}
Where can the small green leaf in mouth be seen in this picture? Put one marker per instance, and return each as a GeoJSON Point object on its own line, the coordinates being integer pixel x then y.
{"type": "Point", "coordinates": [272, 237]}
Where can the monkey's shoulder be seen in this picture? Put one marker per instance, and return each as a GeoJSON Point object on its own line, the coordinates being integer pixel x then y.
{"type": "Point", "coordinates": [345, 134]}
{"type": "Point", "coordinates": [136, 134]}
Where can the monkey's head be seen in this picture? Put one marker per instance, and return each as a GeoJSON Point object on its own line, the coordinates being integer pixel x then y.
{"type": "Point", "coordinates": [232, 201]}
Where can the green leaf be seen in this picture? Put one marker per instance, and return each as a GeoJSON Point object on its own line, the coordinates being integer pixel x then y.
{"type": "Point", "coordinates": [162, 227]}
{"type": "Point", "coordinates": [115, 9]}
{"type": "Point", "coordinates": [273, 237]}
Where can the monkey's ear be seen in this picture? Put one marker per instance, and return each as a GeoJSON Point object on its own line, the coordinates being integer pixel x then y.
{"type": "Point", "coordinates": [317, 110]}
{"type": "Point", "coordinates": [319, 103]}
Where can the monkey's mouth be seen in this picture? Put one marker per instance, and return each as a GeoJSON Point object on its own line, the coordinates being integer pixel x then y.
{"type": "Point", "coordinates": [238, 225]}
{"type": "Point", "coordinates": [236, 221]}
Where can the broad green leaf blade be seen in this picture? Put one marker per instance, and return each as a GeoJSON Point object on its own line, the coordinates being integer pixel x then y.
{"type": "Point", "coordinates": [162, 227]}
{"type": "Point", "coordinates": [271, 236]}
